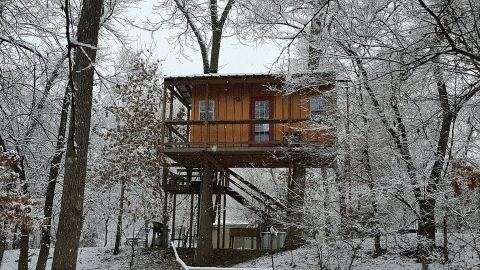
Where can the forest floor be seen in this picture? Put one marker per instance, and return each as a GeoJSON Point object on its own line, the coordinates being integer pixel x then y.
{"type": "Point", "coordinates": [91, 258]}
{"type": "Point", "coordinates": [399, 254]}
{"type": "Point", "coordinates": [346, 254]}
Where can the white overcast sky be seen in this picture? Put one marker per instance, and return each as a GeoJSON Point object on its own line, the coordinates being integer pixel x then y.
{"type": "Point", "coordinates": [234, 57]}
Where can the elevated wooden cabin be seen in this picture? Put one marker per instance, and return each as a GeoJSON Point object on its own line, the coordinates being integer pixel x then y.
{"type": "Point", "coordinates": [214, 122]}
{"type": "Point", "coordinates": [249, 119]}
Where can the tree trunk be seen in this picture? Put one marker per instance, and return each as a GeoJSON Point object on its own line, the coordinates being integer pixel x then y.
{"type": "Point", "coordinates": [314, 52]}
{"type": "Point", "coordinates": [377, 248]}
{"type": "Point", "coordinates": [295, 200]}
{"type": "Point", "coordinates": [426, 228]}
{"type": "Point", "coordinates": [52, 181]}
{"type": "Point", "coordinates": [118, 234]}
{"type": "Point", "coordinates": [3, 245]}
{"type": "Point", "coordinates": [218, 24]}
{"type": "Point", "coordinates": [215, 54]}
{"type": "Point", "coordinates": [204, 250]}
{"type": "Point", "coordinates": [106, 232]}
{"type": "Point", "coordinates": [23, 258]}
{"type": "Point", "coordinates": [445, 238]}
{"type": "Point", "coordinates": [165, 216]}
{"type": "Point", "coordinates": [71, 214]}
{"type": "Point", "coordinates": [346, 225]}
{"type": "Point", "coordinates": [24, 227]}
{"type": "Point", "coordinates": [426, 224]}
{"type": "Point", "coordinates": [326, 205]}
{"type": "Point", "coordinates": [146, 233]}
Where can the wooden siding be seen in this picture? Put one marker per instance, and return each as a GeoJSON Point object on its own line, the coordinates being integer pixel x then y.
{"type": "Point", "coordinates": [232, 102]}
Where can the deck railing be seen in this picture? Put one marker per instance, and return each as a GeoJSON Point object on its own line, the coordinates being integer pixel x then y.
{"type": "Point", "coordinates": [237, 133]}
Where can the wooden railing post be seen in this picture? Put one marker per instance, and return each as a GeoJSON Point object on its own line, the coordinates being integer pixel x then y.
{"type": "Point", "coordinates": [205, 122]}
{"type": "Point", "coordinates": [224, 184]}
{"type": "Point", "coordinates": [189, 111]}
{"type": "Point", "coordinates": [170, 113]}
{"type": "Point", "coordinates": [165, 168]}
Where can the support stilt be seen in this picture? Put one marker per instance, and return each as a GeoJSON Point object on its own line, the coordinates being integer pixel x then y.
{"type": "Point", "coordinates": [190, 230]}
{"type": "Point", "coordinates": [204, 249]}
{"type": "Point", "coordinates": [174, 212]}
{"type": "Point", "coordinates": [295, 198]}
{"type": "Point", "coordinates": [224, 211]}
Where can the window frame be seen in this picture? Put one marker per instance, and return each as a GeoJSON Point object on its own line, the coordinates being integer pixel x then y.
{"type": "Point", "coordinates": [317, 114]}
{"type": "Point", "coordinates": [253, 127]}
{"type": "Point", "coordinates": [211, 109]}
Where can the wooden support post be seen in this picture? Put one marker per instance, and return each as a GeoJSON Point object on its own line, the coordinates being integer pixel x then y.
{"type": "Point", "coordinates": [204, 249]}
{"type": "Point", "coordinates": [219, 207]}
{"type": "Point", "coordinates": [164, 170]}
{"type": "Point", "coordinates": [198, 215]}
{"type": "Point", "coordinates": [224, 210]}
{"type": "Point", "coordinates": [207, 108]}
{"type": "Point", "coordinates": [295, 199]}
{"type": "Point", "coordinates": [170, 112]}
{"type": "Point", "coordinates": [174, 211]}
{"type": "Point", "coordinates": [192, 196]}
{"type": "Point", "coordinates": [163, 117]}
{"type": "Point", "coordinates": [290, 115]}
{"type": "Point", "coordinates": [170, 97]}
{"type": "Point", "coordinates": [189, 111]}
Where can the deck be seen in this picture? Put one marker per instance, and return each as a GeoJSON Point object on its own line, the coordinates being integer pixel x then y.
{"type": "Point", "coordinates": [246, 157]}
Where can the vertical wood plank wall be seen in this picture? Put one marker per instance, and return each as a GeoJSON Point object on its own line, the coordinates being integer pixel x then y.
{"type": "Point", "coordinates": [232, 102]}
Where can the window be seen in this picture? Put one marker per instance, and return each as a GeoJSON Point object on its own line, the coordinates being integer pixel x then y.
{"type": "Point", "coordinates": [318, 108]}
{"type": "Point", "coordinates": [262, 111]}
{"type": "Point", "coordinates": [203, 107]}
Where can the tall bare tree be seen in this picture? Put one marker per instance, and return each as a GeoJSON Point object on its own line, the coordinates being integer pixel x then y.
{"type": "Point", "coordinates": [81, 75]}
{"type": "Point", "coordinates": [203, 22]}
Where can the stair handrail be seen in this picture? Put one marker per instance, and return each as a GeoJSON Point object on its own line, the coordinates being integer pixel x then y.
{"type": "Point", "coordinates": [244, 181]}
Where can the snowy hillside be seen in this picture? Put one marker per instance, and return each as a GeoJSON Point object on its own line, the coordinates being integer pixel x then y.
{"type": "Point", "coordinates": [341, 256]}
{"type": "Point", "coordinates": [100, 258]}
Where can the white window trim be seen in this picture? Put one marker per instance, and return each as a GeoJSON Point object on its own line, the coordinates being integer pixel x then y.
{"type": "Point", "coordinates": [211, 109]}
{"type": "Point", "coordinates": [323, 112]}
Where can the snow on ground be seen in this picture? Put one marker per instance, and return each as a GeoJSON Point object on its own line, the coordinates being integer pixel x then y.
{"type": "Point", "coordinates": [92, 258]}
{"type": "Point", "coordinates": [339, 256]}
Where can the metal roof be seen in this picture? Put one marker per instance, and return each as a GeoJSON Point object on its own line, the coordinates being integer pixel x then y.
{"type": "Point", "coordinates": [183, 83]}
{"type": "Point", "coordinates": [224, 75]}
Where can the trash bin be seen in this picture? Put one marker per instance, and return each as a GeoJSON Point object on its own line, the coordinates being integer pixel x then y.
{"type": "Point", "coordinates": [156, 242]}
{"type": "Point", "coordinates": [266, 239]}
{"type": "Point", "coordinates": [281, 236]}
{"type": "Point", "coordinates": [270, 241]}
{"type": "Point", "coordinates": [157, 238]}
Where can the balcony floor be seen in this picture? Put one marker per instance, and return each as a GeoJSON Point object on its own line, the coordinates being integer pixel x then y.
{"type": "Point", "coordinates": [248, 157]}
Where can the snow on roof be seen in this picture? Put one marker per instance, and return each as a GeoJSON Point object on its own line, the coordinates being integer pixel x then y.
{"type": "Point", "coordinates": [241, 75]}
{"type": "Point", "coordinates": [223, 75]}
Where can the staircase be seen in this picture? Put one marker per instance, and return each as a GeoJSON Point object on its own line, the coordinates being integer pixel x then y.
{"type": "Point", "coordinates": [237, 187]}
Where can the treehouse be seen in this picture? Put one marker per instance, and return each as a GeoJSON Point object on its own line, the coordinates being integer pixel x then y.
{"type": "Point", "coordinates": [212, 123]}
{"type": "Point", "coordinates": [248, 120]}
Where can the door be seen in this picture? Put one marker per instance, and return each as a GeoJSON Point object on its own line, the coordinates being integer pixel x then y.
{"type": "Point", "coordinates": [261, 108]}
